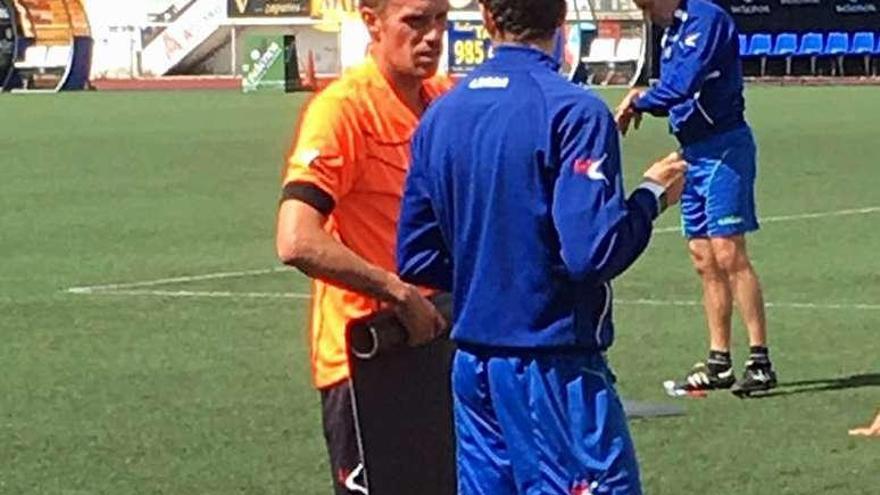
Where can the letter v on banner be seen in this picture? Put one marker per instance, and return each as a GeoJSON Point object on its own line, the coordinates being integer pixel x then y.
{"type": "Point", "coordinates": [242, 5]}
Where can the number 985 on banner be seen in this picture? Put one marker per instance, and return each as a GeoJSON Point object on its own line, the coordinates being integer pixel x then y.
{"type": "Point", "coordinates": [469, 46]}
{"type": "Point", "coordinates": [468, 52]}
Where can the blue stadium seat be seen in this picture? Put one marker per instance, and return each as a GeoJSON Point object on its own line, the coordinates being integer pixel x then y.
{"type": "Point", "coordinates": [812, 46]}
{"type": "Point", "coordinates": [744, 45]}
{"type": "Point", "coordinates": [761, 46]}
{"type": "Point", "coordinates": [864, 44]}
{"type": "Point", "coordinates": [786, 46]}
{"type": "Point", "coordinates": [837, 45]}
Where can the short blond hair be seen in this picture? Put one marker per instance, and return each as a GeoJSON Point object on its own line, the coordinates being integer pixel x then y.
{"type": "Point", "coordinates": [376, 5]}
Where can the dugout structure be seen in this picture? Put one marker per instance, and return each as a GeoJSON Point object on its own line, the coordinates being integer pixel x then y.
{"type": "Point", "coordinates": [52, 46]}
{"type": "Point", "coordinates": [8, 37]}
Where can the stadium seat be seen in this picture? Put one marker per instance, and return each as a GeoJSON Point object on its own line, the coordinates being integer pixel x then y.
{"type": "Point", "coordinates": [786, 46]}
{"type": "Point", "coordinates": [601, 51]}
{"type": "Point", "coordinates": [864, 44]}
{"type": "Point", "coordinates": [58, 56]}
{"type": "Point", "coordinates": [40, 61]}
{"type": "Point", "coordinates": [876, 53]}
{"type": "Point", "coordinates": [837, 45]}
{"type": "Point", "coordinates": [34, 57]}
{"type": "Point", "coordinates": [42, 57]}
{"type": "Point", "coordinates": [761, 46]}
{"type": "Point", "coordinates": [601, 60]}
{"type": "Point", "coordinates": [811, 46]}
{"type": "Point", "coordinates": [743, 45]}
{"type": "Point", "coordinates": [628, 50]}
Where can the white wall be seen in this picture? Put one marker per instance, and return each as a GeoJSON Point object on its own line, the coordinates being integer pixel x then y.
{"type": "Point", "coordinates": [115, 53]}
{"type": "Point", "coordinates": [116, 28]}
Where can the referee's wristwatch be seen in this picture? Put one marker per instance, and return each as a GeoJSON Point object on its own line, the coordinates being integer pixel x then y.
{"type": "Point", "coordinates": [659, 193]}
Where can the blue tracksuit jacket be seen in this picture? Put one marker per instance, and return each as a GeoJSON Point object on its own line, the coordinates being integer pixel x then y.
{"type": "Point", "coordinates": [701, 83]}
{"type": "Point", "coordinates": [514, 202]}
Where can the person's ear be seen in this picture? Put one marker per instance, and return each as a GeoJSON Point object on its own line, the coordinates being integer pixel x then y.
{"type": "Point", "coordinates": [373, 21]}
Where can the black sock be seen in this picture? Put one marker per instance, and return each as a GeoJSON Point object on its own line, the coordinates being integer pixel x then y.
{"type": "Point", "coordinates": [759, 354]}
{"type": "Point", "coordinates": [719, 361]}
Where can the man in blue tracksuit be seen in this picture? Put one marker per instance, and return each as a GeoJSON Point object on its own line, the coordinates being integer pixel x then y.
{"type": "Point", "coordinates": [701, 91]}
{"type": "Point", "coordinates": [514, 202]}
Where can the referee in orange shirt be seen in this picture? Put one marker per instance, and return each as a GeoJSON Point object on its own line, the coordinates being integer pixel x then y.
{"type": "Point", "coordinates": [342, 188]}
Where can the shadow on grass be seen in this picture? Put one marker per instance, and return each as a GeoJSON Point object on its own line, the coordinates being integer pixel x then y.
{"type": "Point", "coordinates": [822, 385]}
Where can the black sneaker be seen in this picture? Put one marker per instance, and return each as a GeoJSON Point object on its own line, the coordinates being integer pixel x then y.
{"type": "Point", "coordinates": [758, 377]}
{"type": "Point", "coordinates": [701, 379]}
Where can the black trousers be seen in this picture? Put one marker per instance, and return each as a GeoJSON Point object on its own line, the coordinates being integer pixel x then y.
{"type": "Point", "coordinates": [337, 412]}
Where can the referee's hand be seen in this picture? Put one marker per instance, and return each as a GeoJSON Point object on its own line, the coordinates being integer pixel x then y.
{"type": "Point", "coordinates": [421, 319]}
{"type": "Point", "coordinates": [669, 173]}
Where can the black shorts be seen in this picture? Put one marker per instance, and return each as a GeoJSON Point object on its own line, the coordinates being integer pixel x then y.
{"type": "Point", "coordinates": [337, 411]}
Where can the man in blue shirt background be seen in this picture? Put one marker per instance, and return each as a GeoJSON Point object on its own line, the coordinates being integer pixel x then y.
{"type": "Point", "coordinates": [701, 91]}
{"type": "Point", "coordinates": [514, 202]}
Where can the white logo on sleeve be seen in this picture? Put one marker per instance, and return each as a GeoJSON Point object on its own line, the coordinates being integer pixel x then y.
{"type": "Point", "coordinates": [690, 40]}
{"type": "Point", "coordinates": [306, 157]}
{"type": "Point", "coordinates": [591, 168]}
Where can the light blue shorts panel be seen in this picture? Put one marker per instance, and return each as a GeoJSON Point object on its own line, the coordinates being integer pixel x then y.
{"type": "Point", "coordinates": [719, 194]}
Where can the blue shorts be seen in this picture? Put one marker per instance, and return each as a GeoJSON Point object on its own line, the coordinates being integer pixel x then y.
{"type": "Point", "coordinates": [719, 192]}
{"type": "Point", "coordinates": [542, 424]}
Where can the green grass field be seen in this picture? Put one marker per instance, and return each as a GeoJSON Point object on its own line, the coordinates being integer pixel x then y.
{"type": "Point", "coordinates": [122, 393]}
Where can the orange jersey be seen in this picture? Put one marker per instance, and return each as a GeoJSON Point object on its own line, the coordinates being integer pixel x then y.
{"type": "Point", "coordinates": [350, 160]}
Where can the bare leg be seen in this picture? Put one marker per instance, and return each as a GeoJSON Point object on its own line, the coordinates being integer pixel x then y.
{"type": "Point", "coordinates": [732, 258]}
{"type": "Point", "coordinates": [717, 296]}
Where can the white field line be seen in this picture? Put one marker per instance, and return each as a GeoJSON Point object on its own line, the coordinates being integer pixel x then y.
{"type": "Point", "coordinates": [135, 288]}
{"type": "Point", "coordinates": [301, 295]}
{"type": "Point", "coordinates": [800, 216]}
{"type": "Point", "coordinates": [204, 294]}
{"type": "Point", "coordinates": [88, 289]}
{"type": "Point", "coordinates": [782, 305]}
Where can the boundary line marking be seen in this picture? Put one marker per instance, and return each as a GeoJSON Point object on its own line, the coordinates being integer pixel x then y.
{"type": "Point", "coordinates": [781, 305]}
{"type": "Point", "coordinates": [138, 288]}
{"type": "Point", "coordinates": [800, 216]}
{"type": "Point", "coordinates": [626, 302]}
{"type": "Point", "coordinates": [89, 289]}
{"type": "Point", "coordinates": [205, 294]}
